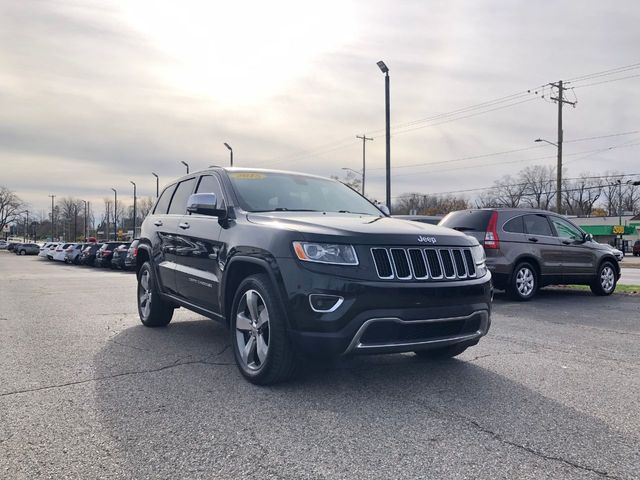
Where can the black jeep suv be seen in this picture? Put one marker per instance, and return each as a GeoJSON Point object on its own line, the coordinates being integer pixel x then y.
{"type": "Point", "coordinates": [302, 265]}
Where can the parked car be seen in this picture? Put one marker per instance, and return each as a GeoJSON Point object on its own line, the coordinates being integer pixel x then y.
{"type": "Point", "coordinates": [527, 249]}
{"type": "Point", "coordinates": [27, 249]}
{"type": "Point", "coordinates": [636, 248]}
{"type": "Point", "coordinates": [11, 246]}
{"type": "Point", "coordinates": [430, 219]}
{"type": "Point", "coordinates": [3, 244]}
{"type": "Point", "coordinates": [73, 252]}
{"type": "Point", "coordinates": [61, 251]}
{"type": "Point", "coordinates": [88, 256]}
{"type": "Point", "coordinates": [119, 255]}
{"type": "Point", "coordinates": [52, 250]}
{"type": "Point", "coordinates": [44, 248]}
{"type": "Point", "coordinates": [131, 257]}
{"type": "Point", "coordinates": [104, 254]}
{"type": "Point", "coordinates": [297, 264]}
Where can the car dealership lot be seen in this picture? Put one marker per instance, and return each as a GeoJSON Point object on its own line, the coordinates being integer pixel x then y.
{"type": "Point", "coordinates": [88, 392]}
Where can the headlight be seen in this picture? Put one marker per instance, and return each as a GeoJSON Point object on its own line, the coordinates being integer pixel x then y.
{"type": "Point", "coordinates": [326, 253]}
{"type": "Point", "coordinates": [479, 259]}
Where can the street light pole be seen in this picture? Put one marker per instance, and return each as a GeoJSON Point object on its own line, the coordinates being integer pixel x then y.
{"type": "Point", "coordinates": [186, 165]}
{"type": "Point", "coordinates": [387, 110]}
{"type": "Point", "coordinates": [134, 208]}
{"type": "Point", "coordinates": [115, 215]}
{"type": "Point", "coordinates": [52, 232]}
{"type": "Point", "coordinates": [157, 184]}
{"type": "Point", "coordinates": [364, 144]}
{"type": "Point", "coordinates": [230, 152]}
{"type": "Point", "coordinates": [86, 235]}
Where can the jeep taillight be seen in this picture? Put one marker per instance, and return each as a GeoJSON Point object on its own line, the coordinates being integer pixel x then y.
{"type": "Point", "coordinates": [491, 239]}
{"type": "Point", "coordinates": [135, 252]}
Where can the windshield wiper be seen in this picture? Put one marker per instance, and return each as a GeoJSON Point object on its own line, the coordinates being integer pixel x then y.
{"type": "Point", "coordinates": [354, 213]}
{"type": "Point", "coordinates": [463, 229]}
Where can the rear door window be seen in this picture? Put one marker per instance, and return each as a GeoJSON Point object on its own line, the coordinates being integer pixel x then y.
{"type": "Point", "coordinates": [515, 225]}
{"type": "Point", "coordinates": [467, 220]}
{"type": "Point", "coordinates": [179, 201]}
{"type": "Point", "coordinates": [537, 225]}
{"type": "Point", "coordinates": [162, 204]}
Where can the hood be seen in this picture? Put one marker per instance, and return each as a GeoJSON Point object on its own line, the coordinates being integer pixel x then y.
{"type": "Point", "coordinates": [361, 229]}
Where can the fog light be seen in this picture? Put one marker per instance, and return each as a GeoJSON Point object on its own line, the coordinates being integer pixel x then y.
{"type": "Point", "coordinates": [325, 303]}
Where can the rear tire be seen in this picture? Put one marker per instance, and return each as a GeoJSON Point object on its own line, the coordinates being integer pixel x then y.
{"type": "Point", "coordinates": [153, 310]}
{"type": "Point", "coordinates": [261, 346]}
{"type": "Point", "coordinates": [23, 252]}
{"type": "Point", "coordinates": [441, 353]}
{"type": "Point", "coordinates": [606, 280]}
{"type": "Point", "coordinates": [524, 282]}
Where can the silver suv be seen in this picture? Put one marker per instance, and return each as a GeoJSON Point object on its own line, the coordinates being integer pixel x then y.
{"type": "Point", "coordinates": [527, 249]}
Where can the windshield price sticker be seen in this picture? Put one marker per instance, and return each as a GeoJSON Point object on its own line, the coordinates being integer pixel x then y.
{"type": "Point", "coordinates": [248, 176]}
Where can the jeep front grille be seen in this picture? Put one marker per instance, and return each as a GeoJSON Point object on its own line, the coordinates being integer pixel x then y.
{"type": "Point", "coordinates": [423, 263]}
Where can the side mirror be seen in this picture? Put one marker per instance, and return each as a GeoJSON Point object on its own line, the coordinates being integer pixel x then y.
{"type": "Point", "coordinates": [205, 204]}
{"type": "Point", "coordinates": [384, 209]}
{"type": "Point", "coordinates": [588, 237]}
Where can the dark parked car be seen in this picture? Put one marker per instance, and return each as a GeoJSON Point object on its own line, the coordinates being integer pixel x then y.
{"type": "Point", "coordinates": [296, 264]}
{"type": "Point", "coordinates": [104, 254]}
{"type": "Point", "coordinates": [119, 255]}
{"type": "Point", "coordinates": [131, 257]}
{"type": "Point", "coordinates": [636, 249]}
{"type": "Point", "coordinates": [26, 249]}
{"type": "Point", "coordinates": [527, 249]}
{"type": "Point", "coordinates": [88, 255]}
{"type": "Point", "coordinates": [11, 246]}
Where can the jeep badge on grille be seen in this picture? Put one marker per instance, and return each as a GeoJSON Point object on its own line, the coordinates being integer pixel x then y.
{"type": "Point", "coordinates": [427, 239]}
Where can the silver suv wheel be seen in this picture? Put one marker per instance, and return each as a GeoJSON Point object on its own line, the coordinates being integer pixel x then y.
{"type": "Point", "coordinates": [252, 330]}
{"type": "Point", "coordinates": [525, 281]}
{"type": "Point", "coordinates": [607, 278]}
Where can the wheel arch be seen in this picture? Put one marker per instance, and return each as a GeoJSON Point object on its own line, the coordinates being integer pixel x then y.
{"type": "Point", "coordinates": [237, 269]}
{"type": "Point", "coordinates": [611, 259]}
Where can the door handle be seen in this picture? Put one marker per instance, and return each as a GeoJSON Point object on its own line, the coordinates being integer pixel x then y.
{"type": "Point", "coordinates": [567, 242]}
{"type": "Point", "coordinates": [158, 223]}
{"type": "Point", "coordinates": [533, 239]}
{"type": "Point", "coordinates": [184, 225]}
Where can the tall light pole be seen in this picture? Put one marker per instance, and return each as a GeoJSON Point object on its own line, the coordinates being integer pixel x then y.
{"type": "Point", "coordinates": [186, 165]}
{"type": "Point", "coordinates": [230, 152]}
{"type": "Point", "coordinates": [364, 143]}
{"type": "Point", "coordinates": [558, 176]}
{"type": "Point", "coordinates": [157, 184]}
{"type": "Point", "coordinates": [86, 234]}
{"type": "Point", "coordinates": [387, 110]}
{"type": "Point", "coordinates": [134, 208]}
{"type": "Point", "coordinates": [115, 215]}
{"type": "Point", "coordinates": [52, 232]}
{"type": "Point", "coordinates": [347, 169]}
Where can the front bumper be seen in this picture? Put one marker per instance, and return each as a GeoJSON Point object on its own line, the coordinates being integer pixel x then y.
{"type": "Point", "coordinates": [385, 316]}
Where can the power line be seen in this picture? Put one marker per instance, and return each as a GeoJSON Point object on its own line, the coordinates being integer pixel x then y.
{"type": "Point", "coordinates": [608, 81]}
{"type": "Point", "coordinates": [603, 73]}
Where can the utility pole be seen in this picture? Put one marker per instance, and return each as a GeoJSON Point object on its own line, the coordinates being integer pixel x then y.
{"type": "Point", "coordinates": [560, 99]}
{"type": "Point", "coordinates": [364, 143]}
{"type": "Point", "coordinates": [52, 198]}
{"type": "Point", "coordinates": [115, 215]}
{"type": "Point", "coordinates": [134, 209]}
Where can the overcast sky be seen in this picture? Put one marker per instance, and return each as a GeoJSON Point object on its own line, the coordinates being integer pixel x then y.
{"type": "Point", "coordinates": [95, 94]}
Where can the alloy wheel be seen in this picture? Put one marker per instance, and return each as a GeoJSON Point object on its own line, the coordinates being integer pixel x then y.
{"type": "Point", "coordinates": [144, 294]}
{"type": "Point", "coordinates": [252, 330]}
{"type": "Point", "coordinates": [525, 281]}
{"type": "Point", "coordinates": [607, 278]}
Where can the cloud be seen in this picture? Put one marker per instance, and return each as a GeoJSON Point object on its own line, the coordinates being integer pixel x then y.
{"type": "Point", "coordinates": [94, 95]}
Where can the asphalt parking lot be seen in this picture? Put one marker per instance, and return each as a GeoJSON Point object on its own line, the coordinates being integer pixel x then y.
{"type": "Point", "coordinates": [87, 392]}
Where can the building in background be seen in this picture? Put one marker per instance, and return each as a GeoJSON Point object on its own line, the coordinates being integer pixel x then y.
{"type": "Point", "coordinates": [609, 229]}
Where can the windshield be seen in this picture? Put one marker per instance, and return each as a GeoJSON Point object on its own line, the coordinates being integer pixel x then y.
{"type": "Point", "coordinates": [276, 191]}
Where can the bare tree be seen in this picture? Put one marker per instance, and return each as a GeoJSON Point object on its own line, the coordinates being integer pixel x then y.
{"type": "Point", "coordinates": [11, 206]}
{"type": "Point", "coordinates": [580, 195]}
{"type": "Point", "coordinates": [539, 182]}
{"type": "Point", "coordinates": [428, 204]}
{"type": "Point", "coordinates": [351, 180]}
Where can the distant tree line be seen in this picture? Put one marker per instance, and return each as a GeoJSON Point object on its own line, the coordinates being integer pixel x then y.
{"type": "Point", "coordinates": [535, 187]}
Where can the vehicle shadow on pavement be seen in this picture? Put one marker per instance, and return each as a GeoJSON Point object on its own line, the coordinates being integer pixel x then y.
{"type": "Point", "coordinates": [173, 401]}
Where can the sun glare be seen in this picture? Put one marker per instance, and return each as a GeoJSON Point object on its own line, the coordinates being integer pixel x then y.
{"type": "Point", "coordinates": [240, 51]}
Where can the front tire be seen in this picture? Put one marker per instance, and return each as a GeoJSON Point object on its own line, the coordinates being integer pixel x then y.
{"type": "Point", "coordinates": [606, 280]}
{"type": "Point", "coordinates": [261, 346]}
{"type": "Point", "coordinates": [23, 252]}
{"type": "Point", "coordinates": [153, 311]}
{"type": "Point", "coordinates": [523, 284]}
